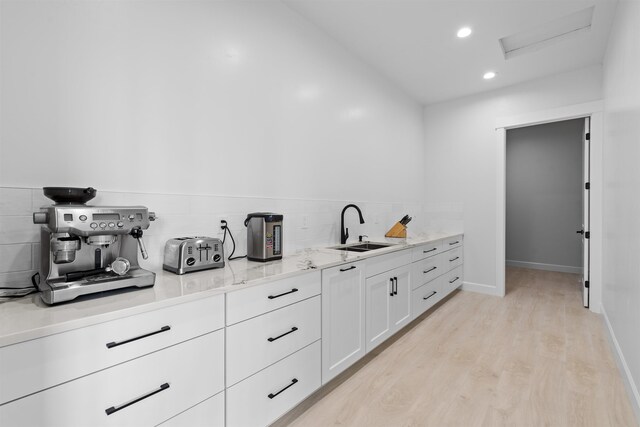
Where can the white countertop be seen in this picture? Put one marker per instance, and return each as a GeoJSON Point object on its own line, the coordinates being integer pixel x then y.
{"type": "Point", "coordinates": [29, 318]}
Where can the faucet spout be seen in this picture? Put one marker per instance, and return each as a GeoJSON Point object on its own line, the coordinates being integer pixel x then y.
{"type": "Point", "coordinates": [344, 232]}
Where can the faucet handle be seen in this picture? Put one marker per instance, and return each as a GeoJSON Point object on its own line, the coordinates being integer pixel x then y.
{"type": "Point", "coordinates": [360, 237]}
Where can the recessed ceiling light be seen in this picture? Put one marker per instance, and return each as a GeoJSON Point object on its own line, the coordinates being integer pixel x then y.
{"type": "Point", "coordinates": [489, 75]}
{"type": "Point", "coordinates": [464, 32]}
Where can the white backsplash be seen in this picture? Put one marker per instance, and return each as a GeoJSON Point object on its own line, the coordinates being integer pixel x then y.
{"type": "Point", "coordinates": [307, 223]}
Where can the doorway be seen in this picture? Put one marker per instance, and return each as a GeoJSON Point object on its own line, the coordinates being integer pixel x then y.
{"type": "Point", "coordinates": [593, 110]}
{"type": "Point", "coordinates": [547, 203]}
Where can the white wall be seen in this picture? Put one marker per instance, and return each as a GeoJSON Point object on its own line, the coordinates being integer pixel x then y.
{"type": "Point", "coordinates": [461, 155]}
{"type": "Point", "coordinates": [621, 275]}
{"type": "Point", "coordinates": [544, 196]}
{"type": "Point", "coordinates": [198, 97]}
{"type": "Point", "coordinates": [177, 104]}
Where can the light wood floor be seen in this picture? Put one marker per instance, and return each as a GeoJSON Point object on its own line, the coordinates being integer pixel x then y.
{"type": "Point", "coordinates": [533, 358]}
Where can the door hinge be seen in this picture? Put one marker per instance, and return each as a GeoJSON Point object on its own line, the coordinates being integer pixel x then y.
{"type": "Point", "coordinates": [587, 186]}
{"type": "Point", "coordinates": [586, 284]}
{"type": "Point", "coordinates": [587, 235]}
{"type": "Point", "coordinates": [588, 136]}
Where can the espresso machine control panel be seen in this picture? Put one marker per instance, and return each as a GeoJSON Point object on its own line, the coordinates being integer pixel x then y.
{"type": "Point", "coordinates": [94, 220]}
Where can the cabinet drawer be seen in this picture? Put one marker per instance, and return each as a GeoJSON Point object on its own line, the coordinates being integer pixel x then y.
{"type": "Point", "coordinates": [261, 399]}
{"type": "Point", "coordinates": [257, 343]}
{"type": "Point", "coordinates": [209, 413]}
{"type": "Point", "coordinates": [250, 302]}
{"type": "Point", "coordinates": [451, 242]}
{"type": "Point", "coordinates": [452, 280]}
{"type": "Point", "coordinates": [424, 297]}
{"type": "Point", "coordinates": [382, 263]}
{"type": "Point", "coordinates": [425, 251]}
{"type": "Point", "coordinates": [34, 365]}
{"type": "Point", "coordinates": [141, 392]}
{"type": "Point", "coordinates": [452, 259]}
{"type": "Point", "coordinates": [426, 270]}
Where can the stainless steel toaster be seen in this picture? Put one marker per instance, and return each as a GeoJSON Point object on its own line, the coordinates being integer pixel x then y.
{"type": "Point", "coordinates": [264, 236]}
{"type": "Point", "coordinates": [186, 254]}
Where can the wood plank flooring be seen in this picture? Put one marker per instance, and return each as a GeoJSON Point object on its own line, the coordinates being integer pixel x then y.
{"type": "Point", "coordinates": [533, 358]}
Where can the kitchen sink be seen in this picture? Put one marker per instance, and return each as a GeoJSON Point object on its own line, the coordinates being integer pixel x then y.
{"type": "Point", "coordinates": [362, 247]}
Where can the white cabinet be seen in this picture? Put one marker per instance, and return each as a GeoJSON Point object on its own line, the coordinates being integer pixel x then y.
{"type": "Point", "coordinates": [343, 314]}
{"type": "Point", "coordinates": [264, 397]}
{"type": "Point", "coordinates": [142, 392]}
{"type": "Point", "coordinates": [401, 299]}
{"type": "Point", "coordinates": [256, 300]}
{"type": "Point", "coordinates": [35, 365]}
{"type": "Point", "coordinates": [261, 341]}
{"type": "Point", "coordinates": [388, 305]}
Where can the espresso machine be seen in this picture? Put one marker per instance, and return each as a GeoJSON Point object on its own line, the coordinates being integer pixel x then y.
{"type": "Point", "coordinates": [87, 249]}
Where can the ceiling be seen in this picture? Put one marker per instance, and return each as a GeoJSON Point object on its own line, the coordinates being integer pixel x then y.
{"type": "Point", "coordinates": [414, 42]}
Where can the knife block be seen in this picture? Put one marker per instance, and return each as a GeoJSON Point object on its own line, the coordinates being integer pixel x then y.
{"type": "Point", "coordinates": [398, 231]}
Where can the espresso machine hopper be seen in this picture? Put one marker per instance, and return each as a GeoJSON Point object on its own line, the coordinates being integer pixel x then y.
{"type": "Point", "coordinates": [87, 249]}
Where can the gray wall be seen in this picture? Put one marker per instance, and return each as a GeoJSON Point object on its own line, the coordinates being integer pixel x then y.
{"type": "Point", "coordinates": [544, 195]}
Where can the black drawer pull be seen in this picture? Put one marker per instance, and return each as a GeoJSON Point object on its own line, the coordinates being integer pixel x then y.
{"type": "Point", "coordinates": [453, 259]}
{"type": "Point", "coordinates": [395, 289]}
{"type": "Point", "coordinates": [347, 269]}
{"type": "Point", "coordinates": [280, 336]}
{"type": "Point", "coordinates": [429, 270]}
{"type": "Point", "coordinates": [429, 296]}
{"type": "Point", "coordinates": [391, 293]}
{"type": "Point", "coordinates": [271, 395]}
{"type": "Point", "coordinates": [454, 243]}
{"type": "Point", "coordinates": [159, 331]}
{"type": "Point", "coordinates": [281, 295]}
{"type": "Point", "coordinates": [451, 281]}
{"type": "Point", "coordinates": [430, 250]}
{"type": "Point", "coordinates": [115, 409]}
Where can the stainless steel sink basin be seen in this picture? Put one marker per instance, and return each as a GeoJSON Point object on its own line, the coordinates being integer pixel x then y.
{"type": "Point", "coordinates": [362, 247]}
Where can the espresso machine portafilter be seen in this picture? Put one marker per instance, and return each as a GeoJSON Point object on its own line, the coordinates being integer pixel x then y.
{"type": "Point", "coordinates": [87, 249]}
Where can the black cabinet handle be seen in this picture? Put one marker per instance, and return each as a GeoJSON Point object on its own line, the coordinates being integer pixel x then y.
{"type": "Point", "coordinates": [283, 294]}
{"type": "Point", "coordinates": [430, 250]}
{"type": "Point", "coordinates": [453, 259]}
{"type": "Point", "coordinates": [395, 290]}
{"type": "Point", "coordinates": [272, 395]}
{"type": "Point", "coordinates": [159, 331]}
{"type": "Point", "coordinates": [429, 296]}
{"type": "Point", "coordinates": [451, 281]}
{"type": "Point", "coordinates": [347, 269]}
{"type": "Point", "coordinates": [115, 409]}
{"type": "Point", "coordinates": [391, 293]}
{"type": "Point", "coordinates": [454, 243]}
{"type": "Point", "coordinates": [429, 270]}
{"type": "Point", "coordinates": [280, 336]}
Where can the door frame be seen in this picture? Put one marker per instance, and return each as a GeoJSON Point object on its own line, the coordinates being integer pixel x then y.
{"type": "Point", "coordinates": [594, 110]}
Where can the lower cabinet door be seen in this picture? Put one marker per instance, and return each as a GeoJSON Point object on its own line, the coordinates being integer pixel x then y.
{"type": "Point", "coordinates": [264, 397]}
{"type": "Point", "coordinates": [379, 290]}
{"type": "Point", "coordinates": [209, 413]}
{"type": "Point", "coordinates": [343, 329]}
{"type": "Point", "coordinates": [401, 300]}
{"type": "Point", "coordinates": [141, 392]}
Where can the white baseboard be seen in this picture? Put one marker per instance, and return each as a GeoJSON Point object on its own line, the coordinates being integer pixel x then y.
{"type": "Point", "coordinates": [629, 383]}
{"type": "Point", "coordinates": [541, 266]}
{"type": "Point", "coordinates": [480, 288]}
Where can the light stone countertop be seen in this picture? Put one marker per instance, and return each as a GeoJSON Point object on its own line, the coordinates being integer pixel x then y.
{"type": "Point", "coordinates": [29, 318]}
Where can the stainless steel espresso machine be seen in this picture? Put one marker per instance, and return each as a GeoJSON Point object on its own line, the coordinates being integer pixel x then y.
{"type": "Point", "coordinates": [87, 249]}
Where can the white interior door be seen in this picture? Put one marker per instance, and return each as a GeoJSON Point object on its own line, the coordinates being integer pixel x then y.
{"type": "Point", "coordinates": [585, 211]}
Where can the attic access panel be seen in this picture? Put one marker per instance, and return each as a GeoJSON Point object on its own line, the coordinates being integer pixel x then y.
{"type": "Point", "coordinates": [547, 34]}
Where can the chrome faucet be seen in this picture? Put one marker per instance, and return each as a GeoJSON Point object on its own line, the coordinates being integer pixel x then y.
{"type": "Point", "coordinates": [344, 233]}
